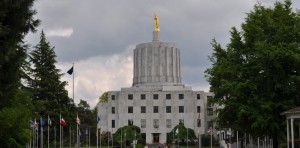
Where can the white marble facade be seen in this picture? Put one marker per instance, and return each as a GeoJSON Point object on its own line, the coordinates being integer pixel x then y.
{"type": "Point", "coordinates": [157, 100]}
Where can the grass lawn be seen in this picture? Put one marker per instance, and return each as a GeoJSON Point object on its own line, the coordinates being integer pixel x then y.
{"type": "Point", "coordinates": [110, 147]}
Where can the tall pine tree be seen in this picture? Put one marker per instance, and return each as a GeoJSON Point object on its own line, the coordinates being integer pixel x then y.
{"type": "Point", "coordinates": [49, 93]}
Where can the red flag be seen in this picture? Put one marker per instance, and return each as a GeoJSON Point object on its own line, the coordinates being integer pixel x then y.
{"type": "Point", "coordinates": [63, 122]}
{"type": "Point", "coordinates": [78, 120]}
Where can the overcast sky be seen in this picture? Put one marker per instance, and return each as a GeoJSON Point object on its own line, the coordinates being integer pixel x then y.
{"type": "Point", "coordinates": [99, 37]}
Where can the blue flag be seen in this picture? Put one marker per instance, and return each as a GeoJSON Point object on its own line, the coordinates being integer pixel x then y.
{"type": "Point", "coordinates": [42, 123]}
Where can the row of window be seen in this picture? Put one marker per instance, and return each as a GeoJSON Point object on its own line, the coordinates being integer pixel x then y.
{"type": "Point", "coordinates": [156, 109]}
{"type": "Point", "coordinates": [155, 96]}
{"type": "Point", "coordinates": [156, 123]}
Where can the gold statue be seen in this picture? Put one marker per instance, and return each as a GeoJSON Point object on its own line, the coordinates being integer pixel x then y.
{"type": "Point", "coordinates": [156, 26]}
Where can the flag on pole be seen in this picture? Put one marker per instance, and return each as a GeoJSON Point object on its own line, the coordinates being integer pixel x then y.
{"type": "Point", "coordinates": [49, 122]}
{"type": "Point", "coordinates": [177, 131]}
{"type": "Point", "coordinates": [77, 120]}
{"type": "Point", "coordinates": [63, 122]}
{"type": "Point", "coordinates": [36, 125]}
{"type": "Point", "coordinates": [209, 130]}
{"type": "Point", "coordinates": [42, 123]}
{"type": "Point", "coordinates": [70, 71]}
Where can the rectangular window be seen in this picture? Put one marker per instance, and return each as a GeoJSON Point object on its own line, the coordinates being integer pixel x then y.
{"type": "Point", "coordinates": [155, 109]}
{"type": "Point", "coordinates": [112, 110]}
{"type": "Point", "coordinates": [210, 111]}
{"type": "Point", "coordinates": [112, 97]}
{"type": "Point", "coordinates": [181, 121]}
{"type": "Point", "coordinates": [112, 123]}
{"type": "Point", "coordinates": [181, 96]}
{"type": "Point", "coordinates": [198, 109]}
{"type": "Point", "coordinates": [143, 109]}
{"type": "Point", "coordinates": [130, 96]}
{"type": "Point", "coordinates": [155, 123]}
{"type": "Point", "coordinates": [168, 96]}
{"type": "Point", "coordinates": [198, 96]}
{"type": "Point", "coordinates": [143, 96]}
{"type": "Point", "coordinates": [130, 122]}
{"type": "Point", "coordinates": [198, 122]}
{"type": "Point", "coordinates": [130, 109]}
{"type": "Point", "coordinates": [181, 109]}
{"type": "Point", "coordinates": [143, 123]}
{"type": "Point", "coordinates": [168, 109]}
{"type": "Point", "coordinates": [155, 96]}
{"type": "Point", "coordinates": [169, 123]}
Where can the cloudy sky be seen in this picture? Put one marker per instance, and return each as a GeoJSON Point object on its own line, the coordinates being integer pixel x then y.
{"type": "Point", "coordinates": [99, 37]}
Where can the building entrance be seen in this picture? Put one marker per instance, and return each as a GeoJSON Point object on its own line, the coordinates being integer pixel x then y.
{"type": "Point", "coordinates": [155, 137]}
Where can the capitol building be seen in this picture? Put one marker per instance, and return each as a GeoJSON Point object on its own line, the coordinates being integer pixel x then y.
{"type": "Point", "coordinates": [157, 101]}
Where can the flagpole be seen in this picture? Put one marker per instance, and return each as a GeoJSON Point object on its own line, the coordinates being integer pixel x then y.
{"type": "Point", "coordinates": [86, 136]}
{"type": "Point", "coordinates": [211, 130]}
{"type": "Point", "coordinates": [33, 136]}
{"type": "Point", "coordinates": [121, 137]}
{"type": "Point", "coordinates": [89, 136]}
{"type": "Point", "coordinates": [97, 136]}
{"type": "Point", "coordinates": [55, 136]}
{"type": "Point", "coordinates": [73, 82]}
{"type": "Point", "coordinates": [108, 139]}
{"type": "Point", "coordinates": [70, 135]}
{"type": "Point", "coordinates": [62, 136]}
{"type": "Point", "coordinates": [77, 134]}
{"type": "Point", "coordinates": [37, 137]}
{"type": "Point", "coordinates": [59, 131]}
{"type": "Point", "coordinates": [41, 124]}
{"type": "Point", "coordinates": [48, 131]}
{"type": "Point", "coordinates": [100, 137]}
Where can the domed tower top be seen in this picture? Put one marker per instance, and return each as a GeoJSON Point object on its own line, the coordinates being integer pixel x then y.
{"type": "Point", "coordinates": [156, 62]}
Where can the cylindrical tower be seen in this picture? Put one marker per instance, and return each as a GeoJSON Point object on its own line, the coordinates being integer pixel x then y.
{"type": "Point", "coordinates": [156, 63]}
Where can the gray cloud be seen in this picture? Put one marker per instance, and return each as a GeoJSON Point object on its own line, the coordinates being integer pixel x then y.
{"type": "Point", "coordinates": [104, 30]}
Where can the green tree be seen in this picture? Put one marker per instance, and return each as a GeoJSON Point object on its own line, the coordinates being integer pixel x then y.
{"type": "Point", "coordinates": [180, 132]}
{"type": "Point", "coordinates": [49, 94]}
{"type": "Point", "coordinates": [48, 91]}
{"type": "Point", "coordinates": [16, 20]}
{"type": "Point", "coordinates": [88, 121]}
{"type": "Point", "coordinates": [256, 77]}
{"type": "Point", "coordinates": [127, 134]}
{"type": "Point", "coordinates": [104, 97]}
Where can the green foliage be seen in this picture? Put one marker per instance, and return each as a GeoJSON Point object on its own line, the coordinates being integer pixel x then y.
{"type": "Point", "coordinates": [104, 97]}
{"type": "Point", "coordinates": [127, 134]}
{"type": "Point", "coordinates": [49, 94]}
{"type": "Point", "coordinates": [205, 140]}
{"type": "Point", "coordinates": [16, 20]}
{"type": "Point", "coordinates": [15, 121]}
{"type": "Point", "coordinates": [181, 132]}
{"type": "Point", "coordinates": [256, 77]}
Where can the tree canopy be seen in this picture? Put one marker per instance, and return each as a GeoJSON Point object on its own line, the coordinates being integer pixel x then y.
{"type": "Point", "coordinates": [257, 77]}
{"type": "Point", "coordinates": [16, 20]}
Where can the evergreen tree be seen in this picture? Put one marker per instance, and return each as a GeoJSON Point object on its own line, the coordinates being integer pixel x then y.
{"type": "Point", "coordinates": [16, 20]}
{"type": "Point", "coordinates": [257, 76]}
{"type": "Point", "coordinates": [49, 94]}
